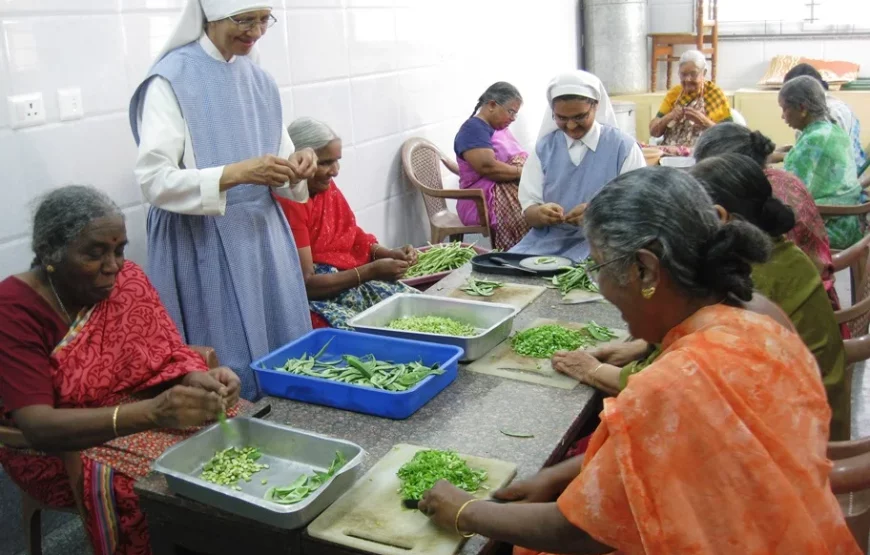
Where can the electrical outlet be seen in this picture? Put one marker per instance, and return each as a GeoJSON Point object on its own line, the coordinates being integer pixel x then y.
{"type": "Point", "coordinates": [70, 103]}
{"type": "Point", "coordinates": [26, 110]}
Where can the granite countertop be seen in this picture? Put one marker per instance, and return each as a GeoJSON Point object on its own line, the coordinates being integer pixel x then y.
{"type": "Point", "coordinates": [468, 416]}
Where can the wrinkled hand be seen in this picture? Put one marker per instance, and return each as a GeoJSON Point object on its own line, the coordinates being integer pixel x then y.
{"type": "Point", "coordinates": [575, 216]}
{"type": "Point", "coordinates": [442, 502]}
{"type": "Point", "coordinates": [551, 213]}
{"type": "Point", "coordinates": [576, 364]}
{"type": "Point", "coordinates": [269, 170]}
{"type": "Point", "coordinates": [232, 385]}
{"type": "Point", "coordinates": [698, 117]}
{"type": "Point", "coordinates": [540, 488]}
{"type": "Point", "coordinates": [410, 254]}
{"type": "Point", "coordinates": [303, 163]}
{"type": "Point", "coordinates": [678, 112]}
{"type": "Point", "coordinates": [620, 353]}
{"type": "Point", "coordinates": [389, 269]}
{"type": "Point", "coordinates": [183, 406]}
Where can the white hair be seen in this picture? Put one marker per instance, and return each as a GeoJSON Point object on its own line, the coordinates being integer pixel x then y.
{"type": "Point", "coordinates": [310, 133]}
{"type": "Point", "coordinates": [696, 57]}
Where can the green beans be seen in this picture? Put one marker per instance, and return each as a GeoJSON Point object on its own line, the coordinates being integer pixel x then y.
{"type": "Point", "coordinates": [543, 341]}
{"type": "Point", "coordinates": [428, 466]}
{"type": "Point", "coordinates": [573, 278]}
{"type": "Point", "coordinates": [440, 258]}
{"type": "Point", "coordinates": [363, 371]}
{"type": "Point", "coordinates": [229, 466]}
{"type": "Point", "coordinates": [433, 324]}
{"type": "Point", "coordinates": [544, 260]}
{"type": "Point", "coordinates": [480, 287]}
{"type": "Point", "coordinates": [305, 485]}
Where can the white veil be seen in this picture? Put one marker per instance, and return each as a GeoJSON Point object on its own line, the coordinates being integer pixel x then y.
{"type": "Point", "coordinates": [581, 83]}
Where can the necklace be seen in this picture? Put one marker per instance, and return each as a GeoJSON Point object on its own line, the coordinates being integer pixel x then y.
{"type": "Point", "coordinates": [57, 298]}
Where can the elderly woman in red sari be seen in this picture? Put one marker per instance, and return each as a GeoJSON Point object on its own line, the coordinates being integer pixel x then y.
{"type": "Point", "coordinates": [90, 361]}
{"type": "Point", "coordinates": [719, 446]}
{"type": "Point", "coordinates": [346, 270]}
{"type": "Point", "coordinates": [491, 159]}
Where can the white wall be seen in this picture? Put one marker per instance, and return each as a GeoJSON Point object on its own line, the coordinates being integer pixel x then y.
{"type": "Point", "coordinates": [379, 71]}
{"type": "Point", "coordinates": [743, 62]}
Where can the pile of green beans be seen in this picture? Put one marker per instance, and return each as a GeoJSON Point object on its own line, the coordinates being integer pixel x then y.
{"type": "Point", "coordinates": [544, 260]}
{"type": "Point", "coordinates": [428, 466]}
{"type": "Point", "coordinates": [543, 341]}
{"type": "Point", "coordinates": [480, 287]}
{"type": "Point", "coordinates": [433, 324]}
{"type": "Point", "coordinates": [440, 258]}
{"type": "Point", "coordinates": [305, 485]}
{"type": "Point", "coordinates": [366, 371]}
{"type": "Point", "coordinates": [229, 466]}
{"type": "Point", "coordinates": [574, 278]}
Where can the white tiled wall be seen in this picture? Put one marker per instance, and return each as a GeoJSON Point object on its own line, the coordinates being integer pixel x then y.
{"type": "Point", "coordinates": [379, 71]}
{"type": "Point", "coordinates": [742, 63]}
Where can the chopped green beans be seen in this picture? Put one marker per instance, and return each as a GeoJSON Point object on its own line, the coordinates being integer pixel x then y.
{"type": "Point", "coordinates": [440, 258]}
{"type": "Point", "coordinates": [427, 467]}
{"type": "Point", "coordinates": [433, 324]}
{"type": "Point", "coordinates": [543, 341]}
{"type": "Point", "coordinates": [480, 287]}
{"type": "Point", "coordinates": [305, 485]}
{"type": "Point", "coordinates": [229, 466]}
{"type": "Point", "coordinates": [544, 260]}
{"type": "Point", "coordinates": [574, 278]}
{"type": "Point", "coordinates": [365, 371]}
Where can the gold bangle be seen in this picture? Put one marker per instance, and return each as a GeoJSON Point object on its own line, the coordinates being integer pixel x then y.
{"type": "Point", "coordinates": [115, 420]}
{"type": "Point", "coordinates": [358, 277]}
{"type": "Point", "coordinates": [375, 251]}
{"type": "Point", "coordinates": [592, 374]}
{"type": "Point", "coordinates": [459, 512]}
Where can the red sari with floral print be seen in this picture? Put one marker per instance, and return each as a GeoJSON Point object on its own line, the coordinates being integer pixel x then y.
{"type": "Point", "coordinates": [120, 347]}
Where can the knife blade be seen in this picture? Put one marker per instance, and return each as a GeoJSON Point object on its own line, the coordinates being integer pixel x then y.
{"type": "Point", "coordinates": [415, 503]}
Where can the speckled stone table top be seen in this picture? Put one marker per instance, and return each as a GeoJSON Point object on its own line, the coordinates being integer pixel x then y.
{"type": "Point", "coordinates": [468, 416]}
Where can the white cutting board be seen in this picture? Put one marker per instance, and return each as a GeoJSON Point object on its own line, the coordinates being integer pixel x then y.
{"type": "Point", "coordinates": [370, 516]}
{"type": "Point", "coordinates": [518, 295]}
{"type": "Point", "coordinates": [504, 362]}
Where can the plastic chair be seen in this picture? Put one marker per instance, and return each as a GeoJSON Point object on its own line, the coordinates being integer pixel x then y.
{"type": "Point", "coordinates": [706, 33]}
{"type": "Point", "coordinates": [421, 161]}
{"type": "Point", "coordinates": [850, 482]}
{"type": "Point", "coordinates": [855, 259]}
{"type": "Point", "coordinates": [31, 509]}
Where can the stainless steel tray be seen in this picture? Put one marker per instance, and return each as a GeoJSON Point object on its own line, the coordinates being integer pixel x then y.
{"type": "Point", "coordinates": [288, 452]}
{"type": "Point", "coordinates": [493, 321]}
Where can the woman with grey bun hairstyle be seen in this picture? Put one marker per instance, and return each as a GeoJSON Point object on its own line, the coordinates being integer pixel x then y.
{"type": "Point", "coordinates": [822, 156]}
{"type": "Point", "coordinates": [729, 421]}
{"type": "Point", "coordinates": [94, 373]}
{"type": "Point", "coordinates": [345, 269]}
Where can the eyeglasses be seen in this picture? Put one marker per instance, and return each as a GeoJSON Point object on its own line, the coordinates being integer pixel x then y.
{"type": "Point", "coordinates": [576, 119]}
{"type": "Point", "coordinates": [689, 75]}
{"type": "Point", "coordinates": [593, 270]}
{"type": "Point", "coordinates": [248, 24]}
{"type": "Point", "coordinates": [512, 113]}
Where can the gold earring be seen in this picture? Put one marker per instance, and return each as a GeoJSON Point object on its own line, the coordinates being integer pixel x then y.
{"type": "Point", "coordinates": [49, 269]}
{"type": "Point", "coordinates": [648, 292]}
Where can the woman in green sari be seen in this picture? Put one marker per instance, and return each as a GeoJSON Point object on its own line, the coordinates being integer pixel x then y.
{"type": "Point", "coordinates": [740, 189]}
{"type": "Point", "coordinates": [822, 156]}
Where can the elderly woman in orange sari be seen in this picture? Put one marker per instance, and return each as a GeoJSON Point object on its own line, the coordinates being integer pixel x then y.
{"type": "Point", "coordinates": [691, 107]}
{"type": "Point", "coordinates": [90, 362]}
{"type": "Point", "coordinates": [719, 446]}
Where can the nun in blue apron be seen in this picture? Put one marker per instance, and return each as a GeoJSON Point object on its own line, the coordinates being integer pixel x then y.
{"type": "Point", "coordinates": [579, 150]}
{"type": "Point", "coordinates": [212, 147]}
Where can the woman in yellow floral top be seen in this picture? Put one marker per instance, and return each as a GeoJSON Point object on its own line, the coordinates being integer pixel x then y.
{"type": "Point", "coordinates": [692, 106]}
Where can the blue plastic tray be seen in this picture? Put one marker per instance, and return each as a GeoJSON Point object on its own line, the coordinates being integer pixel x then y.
{"type": "Point", "coordinates": [367, 400]}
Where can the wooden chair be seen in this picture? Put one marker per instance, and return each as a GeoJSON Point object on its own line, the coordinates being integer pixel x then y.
{"type": "Point", "coordinates": [422, 161]}
{"type": "Point", "coordinates": [705, 39]}
{"type": "Point", "coordinates": [31, 509]}
{"type": "Point", "coordinates": [850, 482]}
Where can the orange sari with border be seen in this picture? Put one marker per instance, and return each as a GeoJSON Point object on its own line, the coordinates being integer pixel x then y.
{"type": "Point", "coordinates": [717, 447]}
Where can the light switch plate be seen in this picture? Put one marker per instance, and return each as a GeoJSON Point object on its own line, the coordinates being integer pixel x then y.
{"type": "Point", "coordinates": [70, 104]}
{"type": "Point", "coordinates": [26, 110]}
